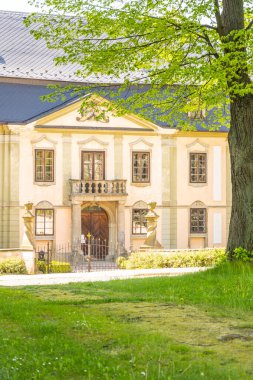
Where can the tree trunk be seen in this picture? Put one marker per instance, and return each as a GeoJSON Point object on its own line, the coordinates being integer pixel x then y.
{"type": "Point", "coordinates": [240, 140]}
{"type": "Point", "coordinates": [240, 137]}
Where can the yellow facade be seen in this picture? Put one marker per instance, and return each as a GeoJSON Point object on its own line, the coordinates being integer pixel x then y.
{"type": "Point", "coordinates": [169, 151]}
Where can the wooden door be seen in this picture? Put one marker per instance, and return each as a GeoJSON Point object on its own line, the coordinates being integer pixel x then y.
{"type": "Point", "coordinates": [96, 223]}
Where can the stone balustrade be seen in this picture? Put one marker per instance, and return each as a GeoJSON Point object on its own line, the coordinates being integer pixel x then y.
{"type": "Point", "coordinates": [103, 187]}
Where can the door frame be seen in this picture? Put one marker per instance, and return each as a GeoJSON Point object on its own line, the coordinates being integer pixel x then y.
{"type": "Point", "coordinates": [93, 151]}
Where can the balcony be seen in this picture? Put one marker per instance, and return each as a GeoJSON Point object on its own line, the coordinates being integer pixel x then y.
{"type": "Point", "coordinates": [116, 187]}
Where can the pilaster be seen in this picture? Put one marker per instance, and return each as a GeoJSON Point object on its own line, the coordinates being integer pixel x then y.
{"type": "Point", "coordinates": [173, 195]}
{"type": "Point", "coordinates": [76, 222]}
{"type": "Point", "coordinates": [9, 190]}
{"type": "Point", "coordinates": [121, 224]}
{"type": "Point", "coordinates": [118, 157]}
{"type": "Point", "coordinates": [169, 192]}
{"type": "Point", "coordinates": [66, 170]}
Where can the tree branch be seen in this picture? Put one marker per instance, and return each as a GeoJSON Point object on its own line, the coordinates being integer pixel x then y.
{"type": "Point", "coordinates": [249, 25]}
{"type": "Point", "coordinates": [216, 55]}
{"type": "Point", "coordinates": [218, 17]}
{"type": "Point", "coordinates": [139, 46]}
{"type": "Point", "coordinates": [111, 39]}
{"type": "Point", "coordinates": [208, 26]}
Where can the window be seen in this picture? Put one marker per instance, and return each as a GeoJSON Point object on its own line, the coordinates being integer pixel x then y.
{"type": "Point", "coordinates": [199, 114]}
{"type": "Point", "coordinates": [198, 220]}
{"type": "Point", "coordinates": [93, 166]}
{"type": "Point", "coordinates": [198, 167]}
{"type": "Point", "coordinates": [139, 222]}
{"type": "Point", "coordinates": [44, 165]}
{"type": "Point", "coordinates": [44, 222]}
{"type": "Point", "coordinates": [141, 167]}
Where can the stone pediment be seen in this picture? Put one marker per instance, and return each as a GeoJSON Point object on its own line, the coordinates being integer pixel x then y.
{"type": "Point", "coordinates": [197, 145]}
{"type": "Point", "coordinates": [71, 117]}
{"type": "Point", "coordinates": [43, 142]}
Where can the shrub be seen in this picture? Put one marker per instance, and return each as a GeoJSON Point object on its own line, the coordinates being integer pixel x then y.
{"type": "Point", "coordinates": [243, 255]}
{"type": "Point", "coordinates": [176, 259]}
{"type": "Point", "coordinates": [53, 267]}
{"type": "Point", "coordinates": [12, 266]}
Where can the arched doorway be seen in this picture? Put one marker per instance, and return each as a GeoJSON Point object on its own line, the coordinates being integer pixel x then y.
{"type": "Point", "coordinates": [94, 221]}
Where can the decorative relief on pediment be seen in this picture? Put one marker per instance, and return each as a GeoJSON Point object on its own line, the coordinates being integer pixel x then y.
{"type": "Point", "coordinates": [93, 115]}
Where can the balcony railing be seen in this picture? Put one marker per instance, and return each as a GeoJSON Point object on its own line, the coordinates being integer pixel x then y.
{"type": "Point", "coordinates": [105, 187]}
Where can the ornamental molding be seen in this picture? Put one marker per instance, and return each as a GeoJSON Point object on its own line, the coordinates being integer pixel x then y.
{"type": "Point", "coordinates": [6, 139]}
{"type": "Point", "coordinates": [44, 205]}
{"type": "Point", "coordinates": [168, 141]}
{"type": "Point", "coordinates": [197, 142]}
{"type": "Point", "coordinates": [198, 204]}
{"type": "Point", "coordinates": [17, 129]}
{"type": "Point", "coordinates": [66, 138]}
{"type": "Point", "coordinates": [140, 140]}
{"type": "Point", "coordinates": [92, 139]}
{"type": "Point", "coordinates": [140, 205]}
{"type": "Point", "coordinates": [43, 138]}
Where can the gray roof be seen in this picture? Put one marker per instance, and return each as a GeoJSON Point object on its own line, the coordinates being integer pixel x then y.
{"type": "Point", "coordinates": [21, 56]}
{"type": "Point", "coordinates": [20, 103]}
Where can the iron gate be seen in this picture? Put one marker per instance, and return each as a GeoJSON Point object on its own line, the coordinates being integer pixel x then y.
{"type": "Point", "coordinates": [83, 256]}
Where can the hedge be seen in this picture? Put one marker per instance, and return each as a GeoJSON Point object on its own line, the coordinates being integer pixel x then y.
{"type": "Point", "coordinates": [13, 266]}
{"type": "Point", "coordinates": [54, 267]}
{"type": "Point", "coordinates": [176, 259]}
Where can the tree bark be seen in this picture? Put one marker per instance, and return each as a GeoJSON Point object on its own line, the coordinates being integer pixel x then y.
{"type": "Point", "coordinates": [240, 139]}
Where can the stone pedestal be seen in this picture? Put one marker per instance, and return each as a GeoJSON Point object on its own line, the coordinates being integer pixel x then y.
{"type": "Point", "coordinates": [76, 223]}
{"type": "Point", "coordinates": [121, 226]}
{"type": "Point", "coordinates": [28, 241]}
{"type": "Point", "coordinates": [29, 259]}
{"type": "Point", "coordinates": [152, 217]}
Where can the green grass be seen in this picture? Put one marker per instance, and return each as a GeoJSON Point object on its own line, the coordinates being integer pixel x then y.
{"type": "Point", "coordinates": [198, 326]}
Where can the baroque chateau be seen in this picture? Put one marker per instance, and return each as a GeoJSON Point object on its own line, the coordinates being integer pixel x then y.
{"type": "Point", "coordinates": [85, 176]}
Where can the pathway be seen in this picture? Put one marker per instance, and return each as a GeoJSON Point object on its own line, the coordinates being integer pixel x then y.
{"type": "Point", "coordinates": [65, 278]}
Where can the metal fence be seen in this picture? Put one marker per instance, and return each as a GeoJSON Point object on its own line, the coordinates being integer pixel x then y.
{"type": "Point", "coordinates": [82, 256]}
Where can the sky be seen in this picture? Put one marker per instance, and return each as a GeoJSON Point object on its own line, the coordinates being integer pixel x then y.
{"type": "Point", "coordinates": [16, 5]}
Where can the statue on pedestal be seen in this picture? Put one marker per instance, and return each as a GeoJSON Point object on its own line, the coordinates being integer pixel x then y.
{"type": "Point", "coordinates": [28, 238]}
{"type": "Point", "coordinates": [151, 217]}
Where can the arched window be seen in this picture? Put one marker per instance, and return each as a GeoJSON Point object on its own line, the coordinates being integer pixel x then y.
{"type": "Point", "coordinates": [44, 219]}
{"type": "Point", "coordinates": [198, 218]}
{"type": "Point", "coordinates": [139, 222]}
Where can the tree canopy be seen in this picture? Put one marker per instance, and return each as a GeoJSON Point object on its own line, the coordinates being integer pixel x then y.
{"type": "Point", "coordinates": [184, 55]}
{"type": "Point", "coordinates": [181, 48]}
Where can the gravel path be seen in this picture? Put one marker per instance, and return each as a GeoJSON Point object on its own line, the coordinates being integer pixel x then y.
{"type": "Point", "coordinates": [65, 278]}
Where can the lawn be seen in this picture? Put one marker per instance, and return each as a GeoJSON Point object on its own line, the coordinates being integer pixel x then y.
{"type": "Point", "coordinates": [198, 326]}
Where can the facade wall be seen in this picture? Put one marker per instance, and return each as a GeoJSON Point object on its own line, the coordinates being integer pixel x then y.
{"type": "Point", "coordinates": [9, 189]}
{"type": "Point", "coordinates": [169, 182]}
{"type": "Point", "coordinates": [211, 195]}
